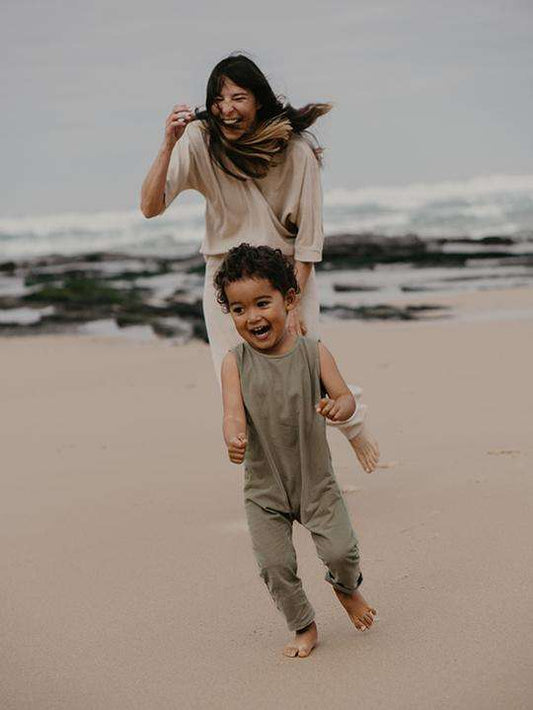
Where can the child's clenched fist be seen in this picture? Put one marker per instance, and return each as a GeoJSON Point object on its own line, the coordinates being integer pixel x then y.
{"type": "Point", "coordinates": [237, 448]}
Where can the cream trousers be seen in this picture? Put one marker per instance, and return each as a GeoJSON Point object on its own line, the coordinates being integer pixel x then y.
{"type": "Point", "coordinates": [223, 336]}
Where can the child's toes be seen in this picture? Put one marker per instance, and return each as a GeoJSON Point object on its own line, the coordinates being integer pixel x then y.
{"type": "Point", "coordinates": [290, 651]}
{"type": "Point", "coordinates": [367, 618]}
{"type": "Point", "coordinates": [304, 651]}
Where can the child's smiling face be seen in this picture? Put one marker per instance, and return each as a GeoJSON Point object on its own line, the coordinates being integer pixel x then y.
{"type": "Point", "coordinates": [259, 312]}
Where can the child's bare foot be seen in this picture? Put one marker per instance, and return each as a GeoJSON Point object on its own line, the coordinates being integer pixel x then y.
{"type": "Point", "coordinates": [304, 642]}
{"type": "Point", "coordinates": [366, 449]}
{"type": "Point", "coordinates": [361, 614]}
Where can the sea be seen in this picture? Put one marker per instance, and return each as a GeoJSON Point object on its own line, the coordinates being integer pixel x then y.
{"type": "Point", "coordinates": [476, 209]}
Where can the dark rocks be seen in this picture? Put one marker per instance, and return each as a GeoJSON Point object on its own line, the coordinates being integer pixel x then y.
{"type": "Point", "coordinates": [385, 312]}
{"type": "Point", "coordinates": [364, 251]}
{"type": "Point", "coordinates": [97, 287]}
{"type": "Point", "coordinates": [347, 288]}
{"type": "Point", "coordinates": [165, 293]}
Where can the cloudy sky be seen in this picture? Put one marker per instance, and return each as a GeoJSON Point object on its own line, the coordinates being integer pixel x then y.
{"type": "Point", "coordinates": [423, 90]}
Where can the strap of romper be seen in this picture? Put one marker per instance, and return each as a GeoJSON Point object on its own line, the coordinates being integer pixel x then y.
{"type": "Point", "coordinates": [238, 351]}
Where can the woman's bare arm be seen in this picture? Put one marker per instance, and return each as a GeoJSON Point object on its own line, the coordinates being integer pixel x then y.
{"type": "Point", "coordinates": [153, 188]}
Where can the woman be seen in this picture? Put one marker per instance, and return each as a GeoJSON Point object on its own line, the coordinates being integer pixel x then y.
{"type": "Point", "coordinates": [247, 155]}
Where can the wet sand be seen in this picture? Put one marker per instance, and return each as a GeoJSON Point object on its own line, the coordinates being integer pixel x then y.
{"type": "Point", "coordinates": [127, 575]}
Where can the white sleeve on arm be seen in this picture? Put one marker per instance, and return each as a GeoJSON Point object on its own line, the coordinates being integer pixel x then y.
{"type": "Point", "coordinates": [182, 172]}
{"type": "Point", "coordinates": [310, 238]}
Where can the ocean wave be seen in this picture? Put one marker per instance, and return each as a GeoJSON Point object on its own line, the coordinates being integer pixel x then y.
{"type": "Point", "coordinates": [477, 207]}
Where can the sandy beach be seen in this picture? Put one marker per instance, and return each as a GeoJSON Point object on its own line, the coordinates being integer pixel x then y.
{"type": "Point", "coordinates": [128, 580]}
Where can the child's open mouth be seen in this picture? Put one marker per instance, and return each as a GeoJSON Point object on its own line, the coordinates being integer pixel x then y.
{"type": "Point", "coordinates": [261, 332]}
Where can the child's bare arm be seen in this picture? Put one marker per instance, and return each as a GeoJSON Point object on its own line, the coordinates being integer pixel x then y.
{"type": "Point", "coordinates": [234, 422]}
{"type": "Point", "coordinates": [340, 403]}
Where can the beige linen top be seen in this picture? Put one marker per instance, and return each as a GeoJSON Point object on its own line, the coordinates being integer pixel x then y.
{"type": "Point", "coordinates": [281, 210]}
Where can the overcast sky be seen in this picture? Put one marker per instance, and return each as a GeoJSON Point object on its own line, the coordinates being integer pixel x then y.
{"type": "Point", "coordinates": [423, 90]}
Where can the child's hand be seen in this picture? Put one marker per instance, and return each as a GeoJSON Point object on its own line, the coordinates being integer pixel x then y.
{"type": "Point", "coordinates": [237, 448]}
{"type": "Point", "coordinates": [337, 410]}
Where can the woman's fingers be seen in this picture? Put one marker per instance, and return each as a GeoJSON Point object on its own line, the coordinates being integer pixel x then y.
{"type": "Point", "coordinates": [181, 112]}
{"type": "Point", "coordinates": [182, 109]}
{"type": "Point", "coordinates": [295, 325]}
{"type": "Point", "coordinates": [179, 117]}
{"type": "Point", "coordinates": [292, 328]}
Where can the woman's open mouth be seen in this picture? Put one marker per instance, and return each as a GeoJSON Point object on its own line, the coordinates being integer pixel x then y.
{"type": "Point", "coordinates": [231, 122]}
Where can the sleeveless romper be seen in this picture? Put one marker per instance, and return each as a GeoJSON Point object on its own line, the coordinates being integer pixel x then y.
{"type": "Point", "coordinates": [289, 476]}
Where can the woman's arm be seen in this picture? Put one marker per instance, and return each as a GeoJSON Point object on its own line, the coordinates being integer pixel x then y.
{"type": "Point", "coordinates": [234, 421]}
{"type": "Point", "coordinates": [341, 403]}
{"type": "Point", "coordinates": [153, 188]}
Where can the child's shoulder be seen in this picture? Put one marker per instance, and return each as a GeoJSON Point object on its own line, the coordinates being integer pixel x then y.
{"type": "Point", "coordinates": [229, 369]}
{"type": "Point", "coordinates": [312, 344]}
{"type": "Point", "coordinates": [235, 355]}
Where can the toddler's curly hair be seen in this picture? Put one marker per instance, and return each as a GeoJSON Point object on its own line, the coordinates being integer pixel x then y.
{"type": "Point", "coordinates": [248, 262]}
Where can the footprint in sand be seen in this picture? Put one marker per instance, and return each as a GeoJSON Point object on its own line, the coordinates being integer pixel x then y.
{"type": "Point", "coordinates": [350, 489]}
{"type": "Point", "coordinates": [503, 452]}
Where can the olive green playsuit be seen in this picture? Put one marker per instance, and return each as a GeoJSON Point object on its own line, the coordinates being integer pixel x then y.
{"type": "Point", "coordinates": [288, 476]}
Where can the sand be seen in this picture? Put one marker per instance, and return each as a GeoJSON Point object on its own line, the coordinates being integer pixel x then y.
{"type": "Point", "coordinates": [127, 576]}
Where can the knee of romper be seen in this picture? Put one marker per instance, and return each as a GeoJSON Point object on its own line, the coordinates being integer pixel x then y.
{"type": "Point", "coordinates": [278, 574]}
{"type": "Point", "coordinates": [336, 554]}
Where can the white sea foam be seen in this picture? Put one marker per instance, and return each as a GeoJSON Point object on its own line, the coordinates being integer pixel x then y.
{"type": "Point", "coordinates": [496, 204]}
{"type": "Point", "coordinates": [415, 195]}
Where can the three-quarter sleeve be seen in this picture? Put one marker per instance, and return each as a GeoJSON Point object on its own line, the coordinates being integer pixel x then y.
{"type": "Point", "coordinates": [182, 173]}
{"type": "Point", "coordinates": [309, 240]}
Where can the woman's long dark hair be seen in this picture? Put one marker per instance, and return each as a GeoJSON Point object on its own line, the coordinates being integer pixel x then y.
{"type": "Point", "coordinates": [252, 154]}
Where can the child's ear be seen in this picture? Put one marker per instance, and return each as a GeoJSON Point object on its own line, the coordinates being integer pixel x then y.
{"type": "Point", "coordinates": [290, 299]}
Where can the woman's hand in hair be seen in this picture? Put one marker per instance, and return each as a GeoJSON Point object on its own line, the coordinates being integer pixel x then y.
{"type": "Point", "coordinates": [295, 323]}
{"type": "Point", "coordinates": [176, 123]}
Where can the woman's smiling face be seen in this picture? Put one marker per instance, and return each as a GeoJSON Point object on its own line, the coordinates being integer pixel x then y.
{"type": "Point", "coordinates": [235, 109]}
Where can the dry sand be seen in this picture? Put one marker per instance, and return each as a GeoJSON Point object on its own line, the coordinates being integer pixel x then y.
{"type": "Point", "coordinates": [127, 576]}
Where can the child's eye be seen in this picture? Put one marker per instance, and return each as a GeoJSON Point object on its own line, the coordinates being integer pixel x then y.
{"type": "Point", "coordinates": [237, 310]}
{"type": "Point", "coordinates": [263, 304]}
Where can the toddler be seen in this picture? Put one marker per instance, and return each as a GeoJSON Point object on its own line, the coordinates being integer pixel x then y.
{"type": "Point", "coordinates": [278, 389]}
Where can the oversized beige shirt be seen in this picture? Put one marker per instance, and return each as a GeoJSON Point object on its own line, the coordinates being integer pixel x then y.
{"type": "Point", "coordinates": [282, 210]}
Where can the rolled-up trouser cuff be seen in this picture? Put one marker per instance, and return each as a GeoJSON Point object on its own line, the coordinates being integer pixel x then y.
{"type": "Point", "coordinates": [301, 624]}
{"type": "Point", "coordinates": [341, 587]}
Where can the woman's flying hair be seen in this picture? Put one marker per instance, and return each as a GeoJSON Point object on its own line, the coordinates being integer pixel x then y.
{"type": "Point", "coordinates": [251, 155]}
{"type": "Point", "coordinates": [249, 262]}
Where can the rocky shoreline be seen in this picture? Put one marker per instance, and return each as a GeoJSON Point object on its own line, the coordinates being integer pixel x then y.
{"type": "Point", "coordinates": [61, 294]}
